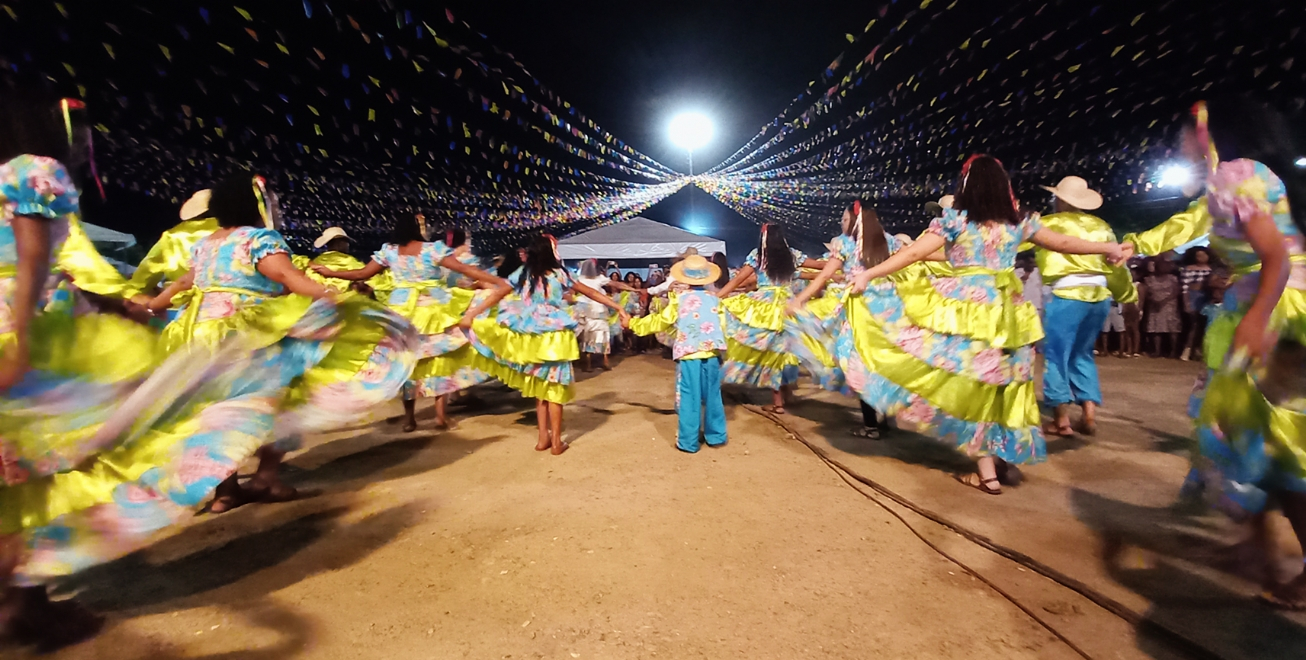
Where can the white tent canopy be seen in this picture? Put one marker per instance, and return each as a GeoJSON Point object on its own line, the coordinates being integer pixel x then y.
{"type": "Point", "coordinates": [105, 238]}
{"type": "Point", "coordinates": [637, 238]}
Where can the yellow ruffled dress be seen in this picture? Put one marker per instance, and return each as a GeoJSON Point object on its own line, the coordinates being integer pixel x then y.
{"type": "Point", "coordinates": [427, 295]}
{"type": "Point", "coordinates": [100, 446]}
{"type": "Point", "coordinates": [381, 284]}
{"type": "Point", "coordinates": [1251, 418]}
{"type": "Point", "coordinates": [760, 353]}
{"type": "Point", "coordinates": [531, 341]}
{"type": "Point", "coordinates": [336, 360]}
{"type": "Point", "coordinates": [953, 356]}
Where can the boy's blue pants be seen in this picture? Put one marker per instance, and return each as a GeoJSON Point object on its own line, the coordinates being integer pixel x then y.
{"type": "Point", "coordinates": [698, 404]}
{"type": "Point", "coordinates": [1070, 374]}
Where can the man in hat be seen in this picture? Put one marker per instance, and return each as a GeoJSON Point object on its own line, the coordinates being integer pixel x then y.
{"type": "Point", "coordinates": [671, 279]}
{"type": "Point", "coordinates": [169, 259]}
{"type": "Point", "coordinates": [1082, 288]}
{"type": "Point", "coordinates": [695, 318]}
{"type": "Point", "coordinates": [334, 243]}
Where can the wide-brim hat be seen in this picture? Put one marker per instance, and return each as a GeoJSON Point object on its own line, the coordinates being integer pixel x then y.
{"type": "Point", "coordinates": [688, 252]}
{"type": "Point", "coordinates": [331, 234]}
{"type": "Point", "coordinates": [695, 270]}
{"type": "Point", "coordinates": [197, 206]}
{"type": "Point", "coordinates": [946, 201]}
{"type": "Point", "coordinates": [934, 209]}
{"type": "Point", "coordinates": [1075, 191]}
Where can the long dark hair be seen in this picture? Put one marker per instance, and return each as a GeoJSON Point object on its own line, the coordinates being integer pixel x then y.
{"type": "Point", "coordinates": [31, 122]}
{"type": "Point", "coordinates": [511, 262]}
{"type": "Point", "coordinates": [540, 261]}
{"type": "Point", "coordinates": [774, 256]}
{"type": "Point", "coordinates": [407, 230]}
{"type": "Point", "coordinates": [719, 258]}
{"type": "Point", "coordinates": [454, 237]}
{"type": "Point", "coordinates": [234, 203]}
{"type": "Point", "coordinates": [985, 191]}
{"type": "Point", "coordinates": [1247, 127]}
{"type": "Point", "coordinates": [873, 244]}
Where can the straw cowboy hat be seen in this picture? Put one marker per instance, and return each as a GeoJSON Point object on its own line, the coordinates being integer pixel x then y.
{"type": "Point", "coordinates": [197, 206]}
{"type": "Point", "coordinates": [331, 234]}
{"type": "Point", "coordinates": [695, 270]}
{"type": "Point", "coordinates": [1075, 192]}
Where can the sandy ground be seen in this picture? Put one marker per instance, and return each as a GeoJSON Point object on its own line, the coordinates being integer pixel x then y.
{"type": "Point", "coordinates": [469, 544]}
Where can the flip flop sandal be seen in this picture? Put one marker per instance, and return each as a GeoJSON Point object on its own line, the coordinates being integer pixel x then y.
{"type": "Point", "coordinates": [865, 432]}
{"type": "Point", "coordinates": [979, 483]}
{"type": "Point", "coordinates": [1058, 430]}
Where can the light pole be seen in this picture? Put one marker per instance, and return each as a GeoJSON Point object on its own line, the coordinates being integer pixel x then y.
{"type": "Point", "coordinates": [690, 131]}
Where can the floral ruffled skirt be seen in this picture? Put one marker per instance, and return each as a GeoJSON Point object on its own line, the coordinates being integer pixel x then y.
{"type": "Point", "coordinates": [759, 352]}
{"type": "Point", "coordinates": [1251, 421]}
{"type": "Point", "coordinates": [529, 350]}
{"type": "Point", "coordinates": [446, 360]}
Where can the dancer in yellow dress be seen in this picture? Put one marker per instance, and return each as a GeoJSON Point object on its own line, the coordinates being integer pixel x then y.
{"type": "Point", "coordinates": [424, 275]}
{"type": "Point", "coordinates": [336, 355]}
{"type": "Point", "coordinates": [759, 354]}
{"type": "Point", "coordinates": [335, 243]}
{"type": "Point", "coordinates": [532, 340]}
{"type": "Point", "coordinates": [1251, 409]}
{"type": "Point", "coordinates": [954, 355]}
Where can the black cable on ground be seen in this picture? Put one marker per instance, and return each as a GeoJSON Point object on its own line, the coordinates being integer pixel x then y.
{"type": "Point", "coordinates": [1179, 641]}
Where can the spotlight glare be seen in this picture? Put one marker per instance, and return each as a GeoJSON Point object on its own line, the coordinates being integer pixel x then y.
{"type": "Point", "coordinates": [1300, 162]}
{"type": "Point", "coordinates": [691, 131]}
{"type": "Point", "coordinates": [1174, 176]}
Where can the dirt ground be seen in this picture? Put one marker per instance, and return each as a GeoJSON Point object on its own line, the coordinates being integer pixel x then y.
{"type": "Point", "coordinates": [468, 544]}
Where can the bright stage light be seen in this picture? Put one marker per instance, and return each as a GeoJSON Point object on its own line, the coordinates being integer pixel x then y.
{"type": "Point", "coordinates": [1174, 176]}
{"type": "Point", "coordinates": [1300, 162]}
{"type": "Point", "coordinates": [691, 131]}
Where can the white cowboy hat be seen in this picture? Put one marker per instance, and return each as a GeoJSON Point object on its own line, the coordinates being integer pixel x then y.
{"type": "Point", "coordinates": [197, 206]}
{"type": "Point", "coordinates": [1075, 192]}
{"type": "Point", "coordinates": [695, 270]}
{"type": "Point", "coordinates": [331, 234]}
{"type": "Point", "coordinates": [946, 201]}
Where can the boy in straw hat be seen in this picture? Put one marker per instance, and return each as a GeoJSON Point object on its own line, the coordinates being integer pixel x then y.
{"type": "Point", "coordinates": [1082, 289]}
{"type": "Point", "coordinates": [695, 316]}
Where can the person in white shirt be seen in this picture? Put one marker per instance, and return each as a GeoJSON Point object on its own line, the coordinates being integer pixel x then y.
{"type": "Point", "coordinates": [593, 330]}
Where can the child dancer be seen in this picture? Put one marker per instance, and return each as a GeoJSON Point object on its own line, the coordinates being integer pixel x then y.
{"type": "Point", "coordinates": [696, 317]}
{"type": "Point", "coordinates": [531, 342]}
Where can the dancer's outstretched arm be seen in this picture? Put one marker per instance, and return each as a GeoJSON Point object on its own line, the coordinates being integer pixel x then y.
{"type": "Point", "coordinates": [926, 245]}
{"type": "Point", "coordinates": [280, 269]}
{"type": "Point", "coordinates": [163, 301]}
{"type": "Point", "coordinates": [32, 236]}
{"type": "Point", "coordinates": [603, 299]}
{"type": "Point", "coordinates": [832, 266]}
{"type": "Point", "coordinates": [1058, 242]}
{"type": "Point", "coordinates": [735, 282]}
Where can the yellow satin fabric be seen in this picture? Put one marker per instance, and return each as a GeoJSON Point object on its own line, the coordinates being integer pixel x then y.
{"type": "Point", "coordinates": [169, 259]}
{"type": "Point", "coordinates": [760, 314]}
{"type": "Point", "coordinates": [1014, 405]}
{"type": "Point", "coordinates": [1004, 324]}
{"type": "Point", "coordinates": [1234, 402]}
{"type": "Point", "coordinates": [1181, 228]}
{"type": "Point", "coordinates": [84, 265]}
{"type": "Point", "coordinates": [1053, 266]}
{"type": "Point", "coordinates": [436, 318]}
{"type": "Point", "coordinates": [530, 386]}
{"type": "Point", "coordinates": [520, 348]}
{"type": "Point", "coordinates": [737, 352]}
{"type": "Point", "coordinates": [652, 324]}
{"type": "Point", "coordinates": [261, 324]}
{"type": "Point", "coordinates": [381, 283]}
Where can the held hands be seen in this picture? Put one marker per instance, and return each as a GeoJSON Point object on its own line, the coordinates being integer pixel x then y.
{"type": "Point", "coordinates": [323, 271]}
{"type": "Point", "coordinates": [794, 307]}
{"type": "Point", "coordinates": [465, 323]}
{"type": "Point", "coordinates": [1120, 253]}
{"type": "Point", "coordinates": [625, 319]}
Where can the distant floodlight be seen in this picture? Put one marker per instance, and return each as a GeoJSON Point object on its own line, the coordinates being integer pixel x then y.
{"type": "Point", "coordinates": [691, 131]}
{"type": "Point", "coordinates": [1300, 162]}
{"type": "Point", "coordinates": [1175, 176]}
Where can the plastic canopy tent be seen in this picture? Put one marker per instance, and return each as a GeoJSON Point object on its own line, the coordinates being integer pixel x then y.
{"type": "Point", "coordinates": [637, 238]}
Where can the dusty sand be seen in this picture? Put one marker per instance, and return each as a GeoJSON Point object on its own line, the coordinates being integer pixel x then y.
{"type": "Point", "coordinates": [469, 544]}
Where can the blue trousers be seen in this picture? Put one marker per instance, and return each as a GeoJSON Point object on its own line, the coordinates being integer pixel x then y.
{"type": "Point", "coordinates": [698, 404]}
{"type": "Point", "coordinates": [1070, 374]}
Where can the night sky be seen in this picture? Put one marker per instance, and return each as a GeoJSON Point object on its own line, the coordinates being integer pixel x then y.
{"type": "Point", "coordinates": [632, 66]}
